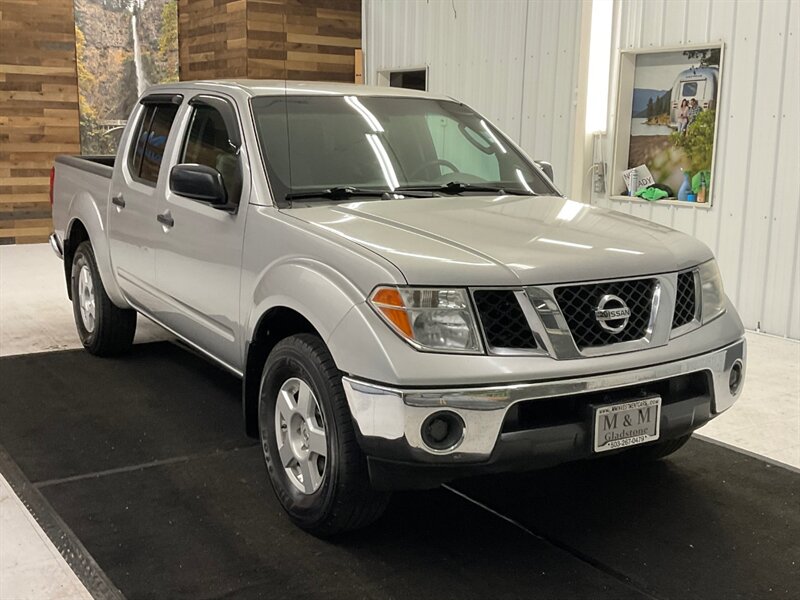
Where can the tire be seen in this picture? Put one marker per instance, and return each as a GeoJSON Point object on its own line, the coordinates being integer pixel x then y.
{"type": "Point", "coordinates": [109, 330]}
{"type": "Point", "coordinates": [655, 451]}
{"type": "Point", "coordinates": [333, 494]}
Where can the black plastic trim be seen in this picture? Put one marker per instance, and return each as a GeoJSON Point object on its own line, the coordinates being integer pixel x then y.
{"type": "Point", "coordinates": [225, 108]}
{"type": "Point", "coordinates": [162, 99]}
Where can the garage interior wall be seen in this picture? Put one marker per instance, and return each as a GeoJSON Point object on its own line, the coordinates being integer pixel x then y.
{"type": "Point", "coordinates": [269, 39]}
{"type": "Point", "coordinates": [519, 64]}
{"type": "Point", "coordinates": [38, 111]}
{"type": "Point", "coordinates": [515, 62]}
{"type": "Point", "coordinates": [753, 224]}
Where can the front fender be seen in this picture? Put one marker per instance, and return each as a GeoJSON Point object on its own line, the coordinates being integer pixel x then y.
{"type": "Point", "coordinates": [312, 288]}
{"type": "Point", "coordinates": [84, 208]}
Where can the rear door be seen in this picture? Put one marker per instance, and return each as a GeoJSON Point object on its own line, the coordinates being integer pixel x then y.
{"type": "Point", "coordinates": [133, 230]}
{"type": "Point", "coordinates": [198, 263]}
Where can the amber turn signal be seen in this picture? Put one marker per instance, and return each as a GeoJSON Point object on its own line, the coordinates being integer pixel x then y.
{"type": "Point", "coordinates": [390, 303]}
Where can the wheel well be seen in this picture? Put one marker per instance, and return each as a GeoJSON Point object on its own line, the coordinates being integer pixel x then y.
{"type": "Point", "coordinates": [76, 235]}
{"type": "Point", "coordinates": [276, 324]}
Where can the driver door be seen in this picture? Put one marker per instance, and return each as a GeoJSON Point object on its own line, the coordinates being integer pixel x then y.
{"type": "Point", "coordinates": [199, 258]}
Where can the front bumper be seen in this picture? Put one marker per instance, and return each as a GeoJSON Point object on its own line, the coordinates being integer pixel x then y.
{"type": "Point", "coordinates": [56, 245]}
{"type": "Point", "coordinates": [389, 419]}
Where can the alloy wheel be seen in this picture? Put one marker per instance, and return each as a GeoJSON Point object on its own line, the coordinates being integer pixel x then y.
{"type": "Point", "coordinates": [300, 434]}
{"type": "Point", "coordinates": [86, 298]}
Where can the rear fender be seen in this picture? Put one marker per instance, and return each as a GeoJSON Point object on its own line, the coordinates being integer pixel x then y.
{"type": "Point", "coordinates": [84, 209]}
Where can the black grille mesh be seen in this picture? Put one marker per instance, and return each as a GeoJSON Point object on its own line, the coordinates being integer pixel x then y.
{"type": "Point", "coordinates": [578, 303]}
{"type": "Point", "coordinates": [504, 323]}
{"type": "Point", "coordinates": [685, 306]}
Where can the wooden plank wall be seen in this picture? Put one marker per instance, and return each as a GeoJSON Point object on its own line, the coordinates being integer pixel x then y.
{"type": "Point", "coordinates": [212, 39]}
{"type": "Point", "coordinates": [38, 111]}
{"type": "Point", "coordinates": [285, 39]}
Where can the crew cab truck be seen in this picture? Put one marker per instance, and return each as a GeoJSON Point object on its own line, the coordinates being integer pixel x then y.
{"type": "Point", "coordinates": [406, 296]}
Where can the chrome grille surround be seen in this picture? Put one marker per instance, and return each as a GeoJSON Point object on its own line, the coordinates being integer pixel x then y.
{"type": "Point", "coordinates": [552, 332]}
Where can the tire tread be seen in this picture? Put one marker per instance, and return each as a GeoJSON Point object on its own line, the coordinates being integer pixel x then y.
{"type": "Point", "coordinates": [355, 504]}
{"type": "Point", "coordinates": [116, 326]}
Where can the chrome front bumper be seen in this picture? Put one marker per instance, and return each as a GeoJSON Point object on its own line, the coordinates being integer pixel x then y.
{"type": "Point", "coordinates": [55, 244]}
{"type": "Point", "coordinates": [393, 416]}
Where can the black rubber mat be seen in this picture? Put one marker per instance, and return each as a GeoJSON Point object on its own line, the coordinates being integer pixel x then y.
{"type": "Point", "coordinates": [145, 460]}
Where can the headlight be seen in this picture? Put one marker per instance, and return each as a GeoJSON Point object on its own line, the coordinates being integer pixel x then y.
{"type": "Point", "coordinates": [429, 318]}
{"type": "Point", "coordinates": [712, 293]}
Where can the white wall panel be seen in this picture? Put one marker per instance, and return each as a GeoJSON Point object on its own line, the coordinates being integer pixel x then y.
{"type": "Point", "coordinates": [515, 61]}
{"type": "Point", "coordinates": [753, 225]}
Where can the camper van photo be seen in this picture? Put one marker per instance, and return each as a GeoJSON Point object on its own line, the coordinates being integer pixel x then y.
{"type": "Point", "coordinates": [673, 119]}
{"type": "Point", "coordinates": [699, 84]}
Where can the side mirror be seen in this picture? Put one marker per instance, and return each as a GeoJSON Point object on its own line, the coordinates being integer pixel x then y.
{"type": "Point", "coordinates": [546, 167]}
{"type": "Point", "coordinates": [200, 183]}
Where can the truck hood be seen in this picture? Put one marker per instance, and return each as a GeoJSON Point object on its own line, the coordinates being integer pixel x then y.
{"type": "Point", "coordinates": [506, 240]}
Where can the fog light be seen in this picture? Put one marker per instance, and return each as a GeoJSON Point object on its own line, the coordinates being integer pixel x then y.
{"type": "Point", "coordinates": [442, 430]}
{"type": "Point", "coordinates": [735, 379]}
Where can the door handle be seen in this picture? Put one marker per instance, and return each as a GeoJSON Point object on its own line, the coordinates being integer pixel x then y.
{"type": "Point", "coordinates": [166, 219]}
{"type": "Point", "coordinates": [118, 200]}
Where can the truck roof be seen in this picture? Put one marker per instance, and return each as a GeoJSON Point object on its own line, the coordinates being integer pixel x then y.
{"type": "Point", "coordinates": [272, 87]}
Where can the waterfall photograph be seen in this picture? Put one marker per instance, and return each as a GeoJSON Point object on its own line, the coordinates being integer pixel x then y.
{"type": "Point", "coordinates": [122, 47]}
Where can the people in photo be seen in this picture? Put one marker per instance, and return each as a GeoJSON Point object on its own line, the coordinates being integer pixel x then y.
{"type": "Point", "coordinates": [683, 116]}
{"type": "Point", "coordinates": [694, 110]}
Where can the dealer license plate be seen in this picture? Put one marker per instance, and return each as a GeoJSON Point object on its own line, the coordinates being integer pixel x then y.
{"type": "Point", "coordinates": [627, 424]}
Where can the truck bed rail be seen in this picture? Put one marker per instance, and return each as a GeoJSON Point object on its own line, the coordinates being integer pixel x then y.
{"type": "Point", "coordinates": [99, 165]}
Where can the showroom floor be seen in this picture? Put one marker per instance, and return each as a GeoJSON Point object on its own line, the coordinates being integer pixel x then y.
{"type": "Point", "coordinates": [35, 317]}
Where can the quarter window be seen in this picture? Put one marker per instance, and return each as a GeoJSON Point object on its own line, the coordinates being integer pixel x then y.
{"type": "Point", "coordinates": [150, 141]}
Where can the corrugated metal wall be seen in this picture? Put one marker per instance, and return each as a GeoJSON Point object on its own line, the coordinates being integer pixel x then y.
{"type": "Point", "coordinates": [754, 223]}
{"type": "Point", "coordinates": [514, 61]}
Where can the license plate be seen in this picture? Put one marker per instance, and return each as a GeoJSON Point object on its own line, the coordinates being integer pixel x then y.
{"type": "Point", "coordinates": [626, 424]}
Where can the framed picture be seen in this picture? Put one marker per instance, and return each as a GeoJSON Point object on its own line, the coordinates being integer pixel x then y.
{"type": "Point", "coordinates": [666, 124]}
{"type": "Point", "coordinates": [122, 47]}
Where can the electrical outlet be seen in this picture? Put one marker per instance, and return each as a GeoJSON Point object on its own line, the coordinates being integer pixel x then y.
{"type": "Point", "coordinates": [599, 177]}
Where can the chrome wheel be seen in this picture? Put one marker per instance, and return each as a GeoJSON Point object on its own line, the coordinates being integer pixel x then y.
{"type": "Point", "coordinates": [86, 298]}
{"type": "Point", "coordinates": [300, 433]}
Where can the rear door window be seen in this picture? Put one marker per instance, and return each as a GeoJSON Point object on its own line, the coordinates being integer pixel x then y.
{"type": "Point", "coordinates": [150, 141]}
{"type": "Point", "coordinates": [140, 140]}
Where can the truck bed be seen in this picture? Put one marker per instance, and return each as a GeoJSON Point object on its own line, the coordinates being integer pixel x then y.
{"type": "Point", "coordinates": [80, 179]}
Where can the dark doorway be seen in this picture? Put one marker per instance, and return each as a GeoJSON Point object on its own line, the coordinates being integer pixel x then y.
{"type": "Point", "coordinates": [411, 80]}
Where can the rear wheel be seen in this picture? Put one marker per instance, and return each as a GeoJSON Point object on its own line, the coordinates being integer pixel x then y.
{"type": "Point", "coordinates": [104, 329]}
{"type": "Point", "coordinates": [314, 462]}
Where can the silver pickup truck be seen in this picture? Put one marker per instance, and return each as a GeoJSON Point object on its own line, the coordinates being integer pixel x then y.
{"type": "Point", "coordinates": [406, 296]}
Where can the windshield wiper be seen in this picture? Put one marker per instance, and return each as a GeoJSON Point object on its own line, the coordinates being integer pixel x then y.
{"type": "Point", "coordinates": [345, 192]}
{"type": "Point", "coordinates": [335, 193]}
{"type": "Point", "coordinates": [457, 187]}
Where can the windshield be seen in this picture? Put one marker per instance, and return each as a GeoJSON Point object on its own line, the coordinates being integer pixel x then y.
{"type": "Point", "coordinates": [367, 143]}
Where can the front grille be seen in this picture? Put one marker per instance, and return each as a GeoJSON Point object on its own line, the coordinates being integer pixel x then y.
{"type": "Point", "coordinates": [504, 323]}
{"type": "Point", "coordinates": [578, 303]}
{"type": "Point", "coordinates": [685, 300]}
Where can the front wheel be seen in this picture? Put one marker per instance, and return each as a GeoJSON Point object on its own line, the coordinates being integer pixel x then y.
{"type": "Point", "coordinates": [104, 329]}
{"type": "Point", "coordinates": [314, 462]}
